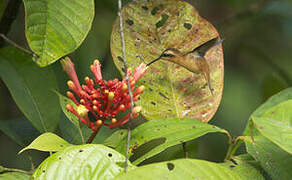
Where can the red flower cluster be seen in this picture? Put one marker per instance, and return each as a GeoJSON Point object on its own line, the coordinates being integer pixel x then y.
{"type": "Point", "coordinates": [103, 99]}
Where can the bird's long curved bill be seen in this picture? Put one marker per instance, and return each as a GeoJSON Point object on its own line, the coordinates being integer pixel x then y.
{"type": "Point", "coordinates": [154, 61]}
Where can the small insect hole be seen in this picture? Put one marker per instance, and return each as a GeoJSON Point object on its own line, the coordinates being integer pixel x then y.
{"type": "Point", "coordinates": [170, 166]}
{"type": "Point", "coordinates": [188, 26]}
{"type": "Point", "coordinates": [80, 150]}
{"type": "Point", "coordinates": [109, 154]}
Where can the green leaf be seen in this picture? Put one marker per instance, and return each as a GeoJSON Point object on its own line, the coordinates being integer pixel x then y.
{"type": "Point", "coordinates": [273, 119]}
{"type": "Point", "coordinates": [57, 27]}
{"type": "Point", "coordinates": [275, 161]}
{"type": "Point", "coordinates": [31, 88]}
{"type": "Point", "coordinates": [73, 119]}
{"type": "Point", "coordinates": [162, 133]}
{"type": "Point", "coordinates": [90, 161]}
{"type": "Point", "coordinates": [47, 142]}
{"type": "Point", "coordinates": [14, 176]}
{"type": "Point", "coordinates": [245, 168]}
{"type": "Point", "coordinates": [20, 130]}
{"type": "Point", "coordinates": [273, 101]}
{"type": "Point", "coordinates": [150, 27]}
{"type": "Point", "coordinates": [181, 169]}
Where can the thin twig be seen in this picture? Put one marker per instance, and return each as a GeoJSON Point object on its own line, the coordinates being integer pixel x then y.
{"type": "Point", "coordinates": [127, 79]}
{"type": "Point", "coordinates": [185, 149]}
{"type": "Point", "coordinates": [32, 166]}
{"type": "Point", "coordinates": [8, 17]}
{"type": "Point", "coordinates": [16, 45]}
{"type": "Point", "coordinates": [17, 170]}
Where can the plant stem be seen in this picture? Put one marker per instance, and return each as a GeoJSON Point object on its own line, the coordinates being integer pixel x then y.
{"type": "Point", "coordinates": [185, 149]}
{"type": "Point", "coordinates": [233, 147]}
{"type": "Point", "coordinates": [8, 17]}
{"type": "Point", "coordinates": [16, 45]}
{"type": "Point", "coordinates": [16, 170]}
{"type": "Point", "coordinates": [92, 136]}
{"type": "Point", "coordinates": [127, 79]}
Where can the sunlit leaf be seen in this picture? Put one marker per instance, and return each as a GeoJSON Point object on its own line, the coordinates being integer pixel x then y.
{"type": "Point", "coordinates": [14, 176]}
{"type": "Point", "coordinates": [150, 27]}
{"type": "Point", "coordinates": [245, 168]}
{"type": "Point", "coordinates": [181, 169]}
{"type": "Point", "coordinates": [90, 161]}
{"type": "Point", "coordinates": [273, 120]}
{"type": "Point", "coordinates": [31, 88]}
{"type": "Point", "coordinates": [275, 161]}
{"type": "Point", "coordinates": [159, 134]}
{"type": "Point", "coordinates": [47, 142]}
{"type": "Point", "coordinates": [57, 27]}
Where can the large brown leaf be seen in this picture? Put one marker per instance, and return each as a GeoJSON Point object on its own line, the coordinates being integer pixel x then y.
{"type": "Point", "coordinates": [150, 27]}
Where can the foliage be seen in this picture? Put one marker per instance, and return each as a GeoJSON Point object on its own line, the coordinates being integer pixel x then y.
{"type": "Point", "coordinates": [176, 103]}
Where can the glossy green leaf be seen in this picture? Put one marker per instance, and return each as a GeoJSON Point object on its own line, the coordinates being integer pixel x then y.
{"type": "Point", "coordinates": [20, 130]}
{"type": "Point", "coordinates": [273, 101]}
{"type": "Point", "coordinates": [245, 168]}
{"type": "Point", "coordinates": [73, 119]}
{"type": "Point", "coordinates": [274, 160]}
{"type": "Point", "coordinates": [47, 142]}
{"type": "Point", "coordinates": [273, 120]}
{"type": "Point", "coordinates": [14, 176]}
{"type": "Point", "coordinates": [150, 27]}
{"type": "Point", "coordinates": [31, 88]}
{"type": "Point", "coordinates": [90, 161]}
{"type": "Point", "coordinates": [161, 133]}
{"type": "Point", "coordinates": [181, 169]}
{"type": "Point", "coordinates": [57, 27]}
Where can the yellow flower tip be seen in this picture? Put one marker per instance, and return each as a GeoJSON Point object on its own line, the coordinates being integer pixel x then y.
{"type": "Point", "coordinates": [125, 87]}
{"type": "Point", "coordinates": [111, 96]}
{"type": "Point", "coordinates": [82, 111]}
{"type": "Point", "coordinates": [86, 79]}
{"type": "Point", "coordinates": [137, 109]}
{"type": "Point", "coordinates": [122, 107]}
{"type": "Point", "coordinates": [69, 107]}
{"type": "Point", "coordinates": [82, 101]}
{"type": "Point", "coordinates": [129, 69]}
{"type": "Point", "coordinates": [94, 108]}
{"type": "Point", "coordinates": [106, 91]}
{"type": "Point", "coordinates": [114, 120]}
{"type": "Point", "coordinates": [99, 123]}
{"type": "Point", "coordinates": [70, 84]}
{"type": "Point", "coordinates": [69, 94]}
{"type": "Point", "coordinates": [96, 62]}
{"type": "Point", "coordinates": [94, 102]}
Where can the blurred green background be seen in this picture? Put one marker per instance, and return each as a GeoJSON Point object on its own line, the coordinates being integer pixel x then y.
{"type": "Point", "coordinates": [257, 50]}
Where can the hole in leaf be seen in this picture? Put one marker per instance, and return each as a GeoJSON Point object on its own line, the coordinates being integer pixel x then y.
{"type": "Point", "coordinates": [121, 133]}
{"type": "Point", "coordinates": [110, 154]}
{"type": "Point", "coordinates": [231, 166]}
{"type": "Point", "coordinates": [145, 8]}
{"type": "Point", "coordinates": [129, 22]}
{"type": "Point", "coordinates": [160, 23]}
{"type": "Point", "coordinates": [146, 147]}
{"type": "Point", "coordinates": [170, 166]}
{"type": "Point", "coordinates": [120, 58]}
{"type": "Point", "coordinates": [44, 171]}
{"type": "Point", "coordinates": [60, 158]}
{"type": "Point", "coordinates": [153, 103]}
{"type": "Point", "coordinates": [155, 10]}
{"type": "Point", "coordinates": [80, 150]}
{"type": "Point", "coordinates": [188, 26]}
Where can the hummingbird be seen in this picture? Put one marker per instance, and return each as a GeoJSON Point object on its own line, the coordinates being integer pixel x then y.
{"type": "Point", "coordinates": [193, 60]}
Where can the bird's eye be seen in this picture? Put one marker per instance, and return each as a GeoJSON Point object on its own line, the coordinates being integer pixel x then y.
{"type": "Point", "coordinates": [167, 55]}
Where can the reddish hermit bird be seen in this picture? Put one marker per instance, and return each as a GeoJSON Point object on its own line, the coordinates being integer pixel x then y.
{"type": "Point", "coordinates": [194, 60]}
